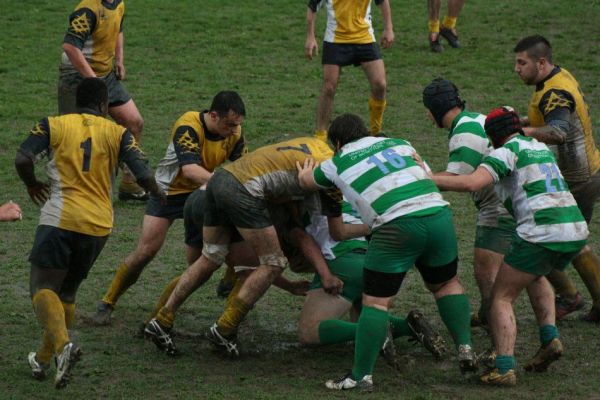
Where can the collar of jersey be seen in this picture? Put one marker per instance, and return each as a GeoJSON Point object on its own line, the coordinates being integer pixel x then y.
{"type": "Point", "coordinates": [540, 85]}
{"type": "Point", "coordinates": [111, 6]}
{"type": "Point", "coordinates": [84, 110]}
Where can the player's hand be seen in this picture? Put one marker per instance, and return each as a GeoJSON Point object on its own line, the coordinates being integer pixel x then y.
{"type": "Point", "coordinates": [305, 171]}
{"type": "Point", "coordinates": [39, 193]}
{"type": "Point", "coordinates": [10, 212]}
{"type": "Point", "coordinates": [332, 284]}
{"type": "Point", "coordinates": [120, 70]}
{"type": "Point", "coordinates": [299, 288]}
{"type": "Point", "coordinates": [311, 48]}
{"type": "Point", "coordinates": [387, 39]}
{"type": "Point", "coordinates": [421, 163]}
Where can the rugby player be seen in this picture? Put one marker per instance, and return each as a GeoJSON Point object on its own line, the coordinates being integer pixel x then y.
{"type": "Point", "coordinates": [448, 27]}
{"type": "Point", "coordinates": [558, 115]}
{"type": "Point", "coordinates": [85, 150]}
{"type": "Point", "coordinates": [550, 232]}
{"type": "Point", "coordinates": [411, 225]}
{"type": "Point", "coordinates": [93, 47]}
{"type": "Point", "coordinates": [349, 39]}
{"type": "Point", "coordinates": [200, 142]}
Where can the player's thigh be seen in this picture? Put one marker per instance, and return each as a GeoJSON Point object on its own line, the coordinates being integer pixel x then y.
{"type": "Point", "coordinates": [67, 90]}
{"type": "Point", "coordinates": [510, 282]}
{"type": "Point", "coordinates": [154, 233]}
{"type": "Point", "coordinates": [319, 306]}
{"type": "Point", "coordinates": [375, 72]}
{"type": "Point", "coordinates": [586, 195]}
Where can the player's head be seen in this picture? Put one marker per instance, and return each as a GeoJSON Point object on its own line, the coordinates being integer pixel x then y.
{"type": "Point", "coordinates": [227, 112]}
{"type": "Point", "coordinates": [533, 56]}
{"type": "Point", "coordinates": [441, 96]}
{"type": "Point", "coordinates": [92, 93]}
{"type": "Point", "coordinates": [501, 123]}
{"type": "Point", "coordinates": [345, 129]}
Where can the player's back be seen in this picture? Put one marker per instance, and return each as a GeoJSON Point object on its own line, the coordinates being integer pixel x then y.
{"type": "Point", "coordinates": [270, 171]}
{"type": "Point", "coordinates": [85, 151]}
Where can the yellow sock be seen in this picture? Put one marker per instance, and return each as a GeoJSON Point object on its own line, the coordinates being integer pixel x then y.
{"type": "Point", "coordinates": [376, 109]}
{"type": "Point", "coordinates": [434, 26]}
{"type": "Point", "coordinates": [563, 285]}
{"type": "Point", "coordinates": [234, 314]}
{"type": "Point", "coordinates": [234, 291]}
{"type": "Point", "coordinates": [587, 265]}
{"type": "Point", "coordinates": [163, 298]}
{"type": "Point", "coordinates": [449, 22]}
{"type": "Point", "coordinates": [165, 317]}
{"type": "Point", "coordinates": [51, 314]}
{"type": "Point", "coordinates": [45, 353]}
{"type": "Point", "coordinates": [123, 279]}
{"type": "Point", "coordinates": [69, 314]}
{"type": "Point", "coordinates": [321, 134]}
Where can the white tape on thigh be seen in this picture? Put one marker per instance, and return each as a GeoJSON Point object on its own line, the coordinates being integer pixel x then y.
{"type": "Point", "coordinates": [241, 268]}
{"type": "Point", "coordinates": [215, 252]}
{"type": "Point", "coordinates": [275, 260]}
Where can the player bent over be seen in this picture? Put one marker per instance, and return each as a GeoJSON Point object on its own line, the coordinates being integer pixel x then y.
{"type": "Point", "coordinates": [411, 225]}
{"type": "Point", "coordinates": [341, 235]}
{"type": "Point", "coordinates": [237, 198]}
{"type": "Point", "coordinates": [77, 215]}
{"type": "Point", "coordinates": [550, 232]}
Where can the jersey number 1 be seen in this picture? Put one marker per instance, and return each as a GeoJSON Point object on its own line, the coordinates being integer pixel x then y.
{"type": "Point", "coordinates": [87, 154]}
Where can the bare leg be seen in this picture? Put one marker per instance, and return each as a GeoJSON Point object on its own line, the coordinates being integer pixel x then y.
{"type": "Point", "coordinates": [129, 116]}
{"type": "Point", "coordinates": [331, 75]}
{"type": "Point", "coordinates": [319, 306]}
{"type": "Point", "coordinates": [486, 264]}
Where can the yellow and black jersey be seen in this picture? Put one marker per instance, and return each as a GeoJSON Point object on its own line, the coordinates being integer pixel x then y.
{"type": "Point", "coordinates": [270, 172]}
{"type": "Point", "coordinates": [85, 151]}
{"type": "Point", "coordinates": [94, 27]}
{"type": "Point", "coordinates": [192, 143]}
{"type": "Point", "coordinates": [348, 21]}
{"type": "Point", "coordinates": [559, 94]}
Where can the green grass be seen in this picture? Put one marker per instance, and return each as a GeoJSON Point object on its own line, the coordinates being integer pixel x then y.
{"type": "Point", "coordinates": [178, 55]}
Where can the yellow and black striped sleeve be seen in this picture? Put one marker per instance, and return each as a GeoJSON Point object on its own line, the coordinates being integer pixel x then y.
{"type": "Point", "coordinates": [82, 23]}
{"type": "Point", "coordinates": [37, 144]}
{"type": "Point", "coordinates": [131, 154]}
{"type": "Point", "coordinates": [239, 149]}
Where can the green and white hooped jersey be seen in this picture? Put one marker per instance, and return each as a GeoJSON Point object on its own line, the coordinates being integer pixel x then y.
{"type": "Point", "coordinates": [468, 145]}
{"type": "Point", "coordinates": [381, 180]}
{"type": "Point", "coordinates": [535, 192]}
{"type": "Point", "coordinates": [331, 249]}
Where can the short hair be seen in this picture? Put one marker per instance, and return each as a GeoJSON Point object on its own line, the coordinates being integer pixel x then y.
{"type": "Point", "coordinates": [536, 47]}
{"type": "Point", "coordinates": [228, 100]}
{"type": "Point", "coordinates": [91, 93]}
{"type": "Point", "coordinates": [347, 128]}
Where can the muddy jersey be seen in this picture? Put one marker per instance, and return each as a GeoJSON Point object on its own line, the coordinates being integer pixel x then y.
{"type": "Point", "coordinates": [94, 28]}
{"type": "Point", "coordinates": [578, 157]}
{"type": "Point", "coordinates": [85, 151]}
{"type": "Point", "coordinates": [348, 21]}
{"type": "Point", "coordinates": [192, 143]}
{"type": "Point", "coordinates": [270, 172]}
{"type": "Point", "coordinates": [381, 180]}
{"type": "Point", "coordinates": [468, 144]}
{"type": "Point", "coordinates": [533, 189]}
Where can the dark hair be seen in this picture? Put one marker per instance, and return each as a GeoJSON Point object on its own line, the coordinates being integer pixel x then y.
{"type": "Point", "coordinates": [228, 100]}
{"type": "Point", "coordinates": [346, 128]}
{"type": "Point", "coordinates": [536, 47]}
{"type": "Point", "coordinates": [441, 96]}
{"type": "Point", "coordinates": [91, 93]}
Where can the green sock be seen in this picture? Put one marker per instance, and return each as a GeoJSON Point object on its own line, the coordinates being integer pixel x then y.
{"type": "Point", "coordinates": [548, 333]}
{"type": "Point", "coordinates": [399, 327]}
{"type": "Point", "coordinates": [336, 331]}
{"type": "Point", "coordinates": [370, 335]}
{"type": "Point", "coordinates": [505, 363]}
{"type": "Point", "coordinates": [456, 314]}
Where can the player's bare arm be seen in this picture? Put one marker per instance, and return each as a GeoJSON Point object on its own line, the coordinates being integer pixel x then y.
{"type": "Point", "coordinates": [547, 134]}
{"type": "Point", "coordinates": [78, 60]}
{"type": "Point", "coordinates": [311, 48]}
{"type": "Point", "coordinates": [387, 37]}
{"type": "Point", "coordinates": [464, 183]}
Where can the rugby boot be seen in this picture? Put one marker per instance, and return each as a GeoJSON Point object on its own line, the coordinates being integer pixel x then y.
{"type": "Point", "coordinates": [495, 378]}
{"type": "Point", "coordinates": [467, 360]}
{"type": "Point", "coordinates": [451, 36]}
{"type": "Point", "coordinates": [388, 349]}
{"type": "Point", "coordinates": [103, 313]}
{"type": "Point", "coordinates": [229, 345]}
{"type": "Point", "coordinates": [65, 361]}
{"type": "Point", "coordinates": [435, 45]}
{"type": "Point", "coordinates": [566, 305]}
{"type": "Point", "coordinates": [346, 383]}
{"type": "Point", "coordinates": [545, 356]}
{"type": "Point", "coordinates": [425, 334]}
{"type": "Point", "coordinates": [160, 336]}
{"type": "Point", "coordinates": [38, 370]}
